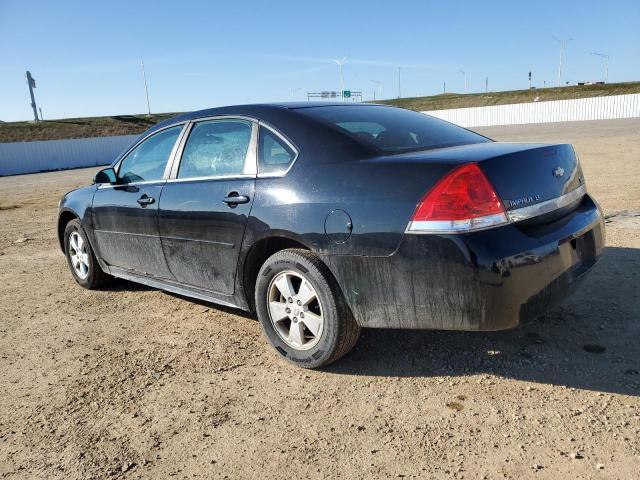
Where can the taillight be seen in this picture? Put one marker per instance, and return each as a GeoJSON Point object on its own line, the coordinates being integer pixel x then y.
{"type": "Point", "coordinates": [462, 201]}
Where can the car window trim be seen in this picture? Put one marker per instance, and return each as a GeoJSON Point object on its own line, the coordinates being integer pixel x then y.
{"type": "Point", "coordinates": [173, 164]}
{"type": "Point", "coordinates": [132, 184]}
{"type": "Point", "coordinates": [250, 167]}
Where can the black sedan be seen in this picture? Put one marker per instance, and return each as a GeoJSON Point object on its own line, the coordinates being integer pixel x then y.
{"type": "Point", "coordinates": [326, 218]}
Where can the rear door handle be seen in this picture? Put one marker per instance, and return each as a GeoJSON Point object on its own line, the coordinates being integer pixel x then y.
{"type": "Point", "coordinates": [233, 200]}
{"type": "Point", "coordinates": [145, 200]}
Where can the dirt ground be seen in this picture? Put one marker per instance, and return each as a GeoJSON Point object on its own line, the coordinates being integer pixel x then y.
{"type": "Point", "coordinates": [131, 382]}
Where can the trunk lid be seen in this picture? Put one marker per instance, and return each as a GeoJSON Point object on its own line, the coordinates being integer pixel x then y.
{"type": "Point", "coordinates": [523, 174]}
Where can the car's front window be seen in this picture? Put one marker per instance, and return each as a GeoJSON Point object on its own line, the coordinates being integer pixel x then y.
{"type": "Point", "coordinates": [393, 130]}
{"type": "Point", "coordinates": [148, 160]}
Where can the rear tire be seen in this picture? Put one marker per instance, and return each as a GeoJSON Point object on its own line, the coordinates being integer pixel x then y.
{"type": "Point", "coordinates": [302, 310]}
{"type": "Point", "coordinates": [81, 259]}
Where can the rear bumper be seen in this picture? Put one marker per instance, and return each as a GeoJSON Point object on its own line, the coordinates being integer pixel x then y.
{"type": "Point", "coordinates": [488, 280]}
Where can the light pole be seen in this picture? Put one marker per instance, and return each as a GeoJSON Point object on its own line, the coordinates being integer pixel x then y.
{"type": "Point", "coordinates": [340, 63]}
{"type": "Point", "coordinates": [606, 64]}
{"type": "Point", "coordinates": [294, 90]}
{"type": "Point", "coordinates": [562, 43]}
{"type": "Point", "coordinates": [146, 90]}
{"type": "Point", "coordinates": [465, 80]}
{"type": "Point", "coordinates": [399, 82]}
{"type": "Point", "coordinates": [379, 84]}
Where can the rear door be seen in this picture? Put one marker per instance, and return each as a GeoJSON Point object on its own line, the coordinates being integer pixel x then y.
{"type": "Point", "coordinates": [125, 214]}
{"type": "Point", "coordinates": [206, 203]}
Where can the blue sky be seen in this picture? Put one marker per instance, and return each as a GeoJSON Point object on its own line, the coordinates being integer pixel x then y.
{"type": "Point", "coordinates": [86, 55]}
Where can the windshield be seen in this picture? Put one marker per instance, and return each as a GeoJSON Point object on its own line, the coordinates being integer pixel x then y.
{"type": "Point", "coordinates": [393, 130]}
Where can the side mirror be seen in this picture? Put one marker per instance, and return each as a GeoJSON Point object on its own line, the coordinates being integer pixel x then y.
{"type": "Point", "coordinates": [107, 175]}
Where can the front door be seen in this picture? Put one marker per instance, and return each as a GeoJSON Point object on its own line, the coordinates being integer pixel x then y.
{"type": "Point", "coordinates": [125, 214]}
{"type": "Point", "coordinates": [204, 209]}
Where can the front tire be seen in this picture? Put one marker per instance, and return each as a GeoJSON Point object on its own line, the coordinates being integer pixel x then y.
{"type": "Point", "coordinates": [302, 311]}
{"type": "Point", "coordinates": [81, 259]}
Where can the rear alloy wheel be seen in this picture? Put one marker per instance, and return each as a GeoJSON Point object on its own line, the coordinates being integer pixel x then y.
{"type": "Point", "coordinates": [81, 259]}
{"type": "Point", "coordinates": [302, 311]}
{"type": "Point", "coordinates": [295, 310]}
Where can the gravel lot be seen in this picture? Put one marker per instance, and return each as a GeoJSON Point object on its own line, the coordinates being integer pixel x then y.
{"type": "Point", "coordinates": [131, 382]}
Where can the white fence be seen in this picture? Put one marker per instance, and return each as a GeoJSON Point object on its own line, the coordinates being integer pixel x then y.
{"type": "Point", "coordinates": [30, 157]}
{"type": "Point", "coordinates": [594, 108]}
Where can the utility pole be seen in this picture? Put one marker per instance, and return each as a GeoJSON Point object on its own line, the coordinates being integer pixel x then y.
{"type": "Point", "coordinates": [562, 43]}
{"type": "Point", "coordinates": [40, 110]}
{"type": "Point", "coordinates": [529, 79]}
{"type": "Point", "coordinates": [486, 84]}
{"type": "Point", "coordinates": [340, 63]}
{"type": "Point", "coordinates": [379, 84]}
{"type": "Point", "coordinates": [146, 90]}
{"type": "Point", "coordinates": [465, 80]}
{"type": "Point", "coordinates": [399, 84]}
{"type": "Point", "coordinates": [606, 64]}
{"type": "Point", "coordinates": [32, 84]}
{"type": "Point", "coordinates": [444, 86]}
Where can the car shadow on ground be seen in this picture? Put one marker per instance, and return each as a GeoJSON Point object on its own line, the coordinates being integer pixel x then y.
{"type": "Point", "coordinates": [590, 342]}
{"type": "Point", "coordinates": [121, 285]}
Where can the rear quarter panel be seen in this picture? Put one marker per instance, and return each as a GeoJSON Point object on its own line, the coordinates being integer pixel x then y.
{"type": "Point", "coordinates": [379, 197]}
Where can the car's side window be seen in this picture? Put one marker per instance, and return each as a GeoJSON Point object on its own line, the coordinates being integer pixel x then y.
{"type": "Point", "coordinates": [216, 148]}
{"type": "Point", "coordinates": [148, 160]}
{"type": "Point", "coordinates": [274, 155]}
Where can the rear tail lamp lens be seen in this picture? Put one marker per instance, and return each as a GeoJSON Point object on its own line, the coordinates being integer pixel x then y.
{"type": "Point", "coordinates": [464, 200]}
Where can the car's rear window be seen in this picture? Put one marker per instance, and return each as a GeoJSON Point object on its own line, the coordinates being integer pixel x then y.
{"type": "Point", "coordinates": [393, 130]}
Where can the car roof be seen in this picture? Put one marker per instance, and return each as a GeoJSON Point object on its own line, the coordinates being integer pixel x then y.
{"type": "Point", "coordinates": [293, 126]}
{"type": "Point", "coordinates": [258, 110]}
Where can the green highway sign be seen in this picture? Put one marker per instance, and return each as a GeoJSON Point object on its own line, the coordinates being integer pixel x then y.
{"type": "Point", "coordinates": [346, 93]}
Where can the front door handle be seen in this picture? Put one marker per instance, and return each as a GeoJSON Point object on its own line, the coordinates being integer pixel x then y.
{"type": "Point", "coordinates": [235, 199]}
{"type": "Point", "coordinates": [145, 200]}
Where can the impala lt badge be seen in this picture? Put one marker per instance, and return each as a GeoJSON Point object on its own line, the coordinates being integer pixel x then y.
{"type": "Point", "coordinates": [558, 172]}
{"type": "Point", "coordinates": [518, 202]}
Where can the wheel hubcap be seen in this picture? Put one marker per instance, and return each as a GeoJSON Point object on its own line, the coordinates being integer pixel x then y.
{"type": "Point", "coordinates": [78, 255]}
{"type": "Point", "coordinates": [295, 310]}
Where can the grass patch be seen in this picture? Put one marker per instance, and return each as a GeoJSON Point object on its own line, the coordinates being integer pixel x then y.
{"type": "Point", "coordinates": [78, 127]}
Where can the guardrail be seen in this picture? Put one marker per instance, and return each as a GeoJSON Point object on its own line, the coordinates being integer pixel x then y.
{"type": "Point", "coordinates": [593, 108]}
{"type": "Point", "coordinates": [41, 156]}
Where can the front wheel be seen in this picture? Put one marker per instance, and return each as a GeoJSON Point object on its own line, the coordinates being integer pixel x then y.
{"type": "Point", "coordinates": [302, 311]}
{"type": "Point", "coordinates": [81, 259]}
